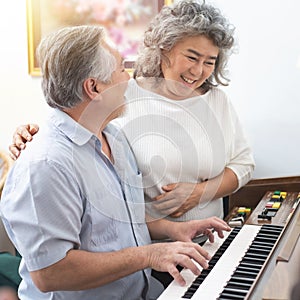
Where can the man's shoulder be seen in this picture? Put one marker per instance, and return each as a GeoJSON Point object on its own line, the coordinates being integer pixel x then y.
{"type": "Point", "coordinates": [47, 149]}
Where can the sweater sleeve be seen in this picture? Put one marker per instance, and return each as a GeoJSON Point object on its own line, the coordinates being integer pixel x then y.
{"type": "Point", "coordinates": [241, 160]}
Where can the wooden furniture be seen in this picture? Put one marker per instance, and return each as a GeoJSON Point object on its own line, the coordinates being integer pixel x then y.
{"type": "Point", "coordinates": [284, 281]}
{"type": "Point", "coordinates": [251, 194]}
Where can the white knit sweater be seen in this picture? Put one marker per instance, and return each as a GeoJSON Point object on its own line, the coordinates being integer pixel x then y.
{"type": "Point", "coordinates": [189, 140]}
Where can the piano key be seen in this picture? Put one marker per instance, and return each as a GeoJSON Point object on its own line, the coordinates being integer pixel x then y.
{"type": "Point", "coordinates": [256, 256]}
{"type": "Point", "coordinates": [254, 267]}
{"type": "Point", "coordinates": [197, 282]}
{"type": "Point", "coordinates": [261, 244]}
{"type": "Point", "coordinates": [234, 266]}
{"type": "Point", "coordinates": [231, 297]}
{"type": "Point", "coordinates": [238, 286]}
{"type": "Point", "coordinates": [241, 279]}
{"type": "Point", "coordinates": [234, 292]}
{"type": "Point", "coordinates": [258, 250]}
{"type": "Point", "coordinates": [226, 265]}
{"type": "Point", "coordinates": [250, 275]}
{"type": "Point", "coordinates": [232, 283]}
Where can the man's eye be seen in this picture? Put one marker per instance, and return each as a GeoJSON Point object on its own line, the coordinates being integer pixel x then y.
{"type": "Point", "coordinates": [210, 63]}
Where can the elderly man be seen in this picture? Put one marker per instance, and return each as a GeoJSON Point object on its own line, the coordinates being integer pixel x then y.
{"type": "Point", "coordinates": [73, 203]}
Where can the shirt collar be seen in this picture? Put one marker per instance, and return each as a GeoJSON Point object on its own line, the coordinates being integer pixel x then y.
{"type": "Point", "coordinates": [76, 132]}
{"type": "Point", "coordinates": [73, 130]}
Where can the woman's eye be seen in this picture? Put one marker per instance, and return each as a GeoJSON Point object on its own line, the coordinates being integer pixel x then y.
{"type": "Point", "coordinates": [192, 58]}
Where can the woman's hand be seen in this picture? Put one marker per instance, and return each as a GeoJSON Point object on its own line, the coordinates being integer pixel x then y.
{"type": "Point", "coordinates": [21, 136]}
{"type": "Point", "coordinates": [181, 197]}
{"type": "Point", "coordinates": [178, 198]}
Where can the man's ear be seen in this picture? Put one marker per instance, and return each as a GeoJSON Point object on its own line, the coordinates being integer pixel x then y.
{"type": "Point", "coordinates": [91, 88]}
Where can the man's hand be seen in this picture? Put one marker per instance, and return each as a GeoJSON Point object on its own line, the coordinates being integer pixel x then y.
{"type": "Point", "coordinates": [21, 136]}
{"type": "Point", "coordinates": [186, 231]}
{"type": "Point", "coordinates": [164, 257]}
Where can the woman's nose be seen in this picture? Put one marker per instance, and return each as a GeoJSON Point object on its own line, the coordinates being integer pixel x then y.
{"type": "Point", "coordinates": [197, 69]}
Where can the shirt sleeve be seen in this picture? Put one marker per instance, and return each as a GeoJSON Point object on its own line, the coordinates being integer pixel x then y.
{"type": "Point", "coordinates": [42, 211]}
{"type": "Point", "coordinates": [241, 160]}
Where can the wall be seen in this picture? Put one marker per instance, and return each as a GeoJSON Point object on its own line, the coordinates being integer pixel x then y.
{"type": "Point", "coordinates": [21, 97]}
{"type": "Point", "coordinates": [264, 79]}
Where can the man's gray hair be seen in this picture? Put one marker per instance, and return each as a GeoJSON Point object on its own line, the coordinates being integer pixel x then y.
{"type": "Point", "coordinates": [68, 57]}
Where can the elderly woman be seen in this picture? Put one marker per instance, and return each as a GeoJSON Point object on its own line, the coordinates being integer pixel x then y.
{"type": "Point", "coordinates": [186, 136]}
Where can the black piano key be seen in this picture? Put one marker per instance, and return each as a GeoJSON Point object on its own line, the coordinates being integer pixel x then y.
{"type": "Point", "coordinates": [187, 296]}
{"type": "Point", "coordinates": [268, 236]}
{"type": "Point", "coordinates": [257, 253]}
{"type": "Point", "coordinates": [236, 277]}
{"type": "Point", "coordinates": [270, 227]}
{"type": "Point", "coordinates": [197, 283]}
{"type": "Point", "coordinates": [204, 273]}
{"type": "Point", "coordinates": [193, 290]}
{"type": "Point", "coordinates": [238, 286]}
{"type": "Point", "coordinates": [271, 231]}
{"type": "Point", "coordinates": [213, 261]}
{"type": "Point", "coordinates": [246, 268]}
{"type": "Point", "coordinates": [259, 250]}
{"type": "Point", "coordinates": [257, 257]}
{"type": "Point", "coordinates": [270, 241]}
{"type": "Point", "coordinates": [250, 265]}
{"type": "Point", "coordinates": [230, 297]}
{"type": "Point", "coordinates": [226, 296]}
{"type": "Point", "coordinates": [249, 275]}
{"type": "Point", "coordinates": [261, 245]}
{"type": "Point", "coordinates": [252, 261]}
{"type": "Point", "coordinates": [234, 292]}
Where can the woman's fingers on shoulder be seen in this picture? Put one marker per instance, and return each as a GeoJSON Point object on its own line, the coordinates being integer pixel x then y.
{"type": "Point", "coordinates": [13, 151]}
{"type": "Point", "coordinates": [33, 128]}
{"type": "Point", "coordinates": [23, 133]}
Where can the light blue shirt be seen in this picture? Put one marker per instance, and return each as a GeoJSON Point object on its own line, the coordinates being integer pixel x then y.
{"type": "Point", "coordinates": [63, 193]}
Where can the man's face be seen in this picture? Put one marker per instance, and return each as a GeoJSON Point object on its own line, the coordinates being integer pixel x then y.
{"type": "Point", "coordinates": [113, 92]}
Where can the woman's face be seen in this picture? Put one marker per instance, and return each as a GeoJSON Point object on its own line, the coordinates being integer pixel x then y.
{"type": "Point", "coordinates": [191, 62]}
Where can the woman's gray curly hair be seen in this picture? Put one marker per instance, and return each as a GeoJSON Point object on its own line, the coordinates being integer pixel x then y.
{"type": "Point", "coordinates": [187, 18]}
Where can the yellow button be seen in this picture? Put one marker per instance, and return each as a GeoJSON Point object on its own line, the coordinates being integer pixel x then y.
{"type": "Point", "coordinates": [276, 205]}
{"type": "Point", "coordinates": [283, 194]}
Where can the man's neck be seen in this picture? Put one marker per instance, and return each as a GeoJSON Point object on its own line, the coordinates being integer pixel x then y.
{"type": "Point", "coordinates": [105, 146]}
{"type": "Point", "coordinates": [90, 119]}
